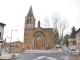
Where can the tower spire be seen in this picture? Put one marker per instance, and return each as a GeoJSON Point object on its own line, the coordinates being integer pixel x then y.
{"type": "Point", "coordinates": [30, 12]}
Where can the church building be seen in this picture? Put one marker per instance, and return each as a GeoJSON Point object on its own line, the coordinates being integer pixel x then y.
{"type": "Point", "coordinates": [36, 38]}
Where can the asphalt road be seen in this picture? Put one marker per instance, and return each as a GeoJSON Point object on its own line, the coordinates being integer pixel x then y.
{"type": "Point", "coordinates": [46, 56]}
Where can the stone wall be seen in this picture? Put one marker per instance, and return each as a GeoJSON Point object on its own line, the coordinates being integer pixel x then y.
{"type": "Point", "coordinates": [16, 49]}
{"type": "Point", "coordinates": [73, 57]}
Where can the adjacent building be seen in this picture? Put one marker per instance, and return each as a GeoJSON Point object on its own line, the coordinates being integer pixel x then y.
{"type": "Point", "coordinates": [1, 35]}
{"type": "Point", "coordinates": [78, 39]}
{"type": "Point", "coordinates": [36, 38]}
{"type": "Point", "coordinates": [16, 44]}
{"type": "Point", "coordinates": [72, 42]}
{"type": "Point", "coordinates": [16, 47]}
{"type": "Point", "coordinates": [2, 30]}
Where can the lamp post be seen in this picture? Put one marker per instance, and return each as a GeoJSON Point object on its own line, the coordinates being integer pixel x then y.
{"type": "Point", "coordinates": [11, 40]}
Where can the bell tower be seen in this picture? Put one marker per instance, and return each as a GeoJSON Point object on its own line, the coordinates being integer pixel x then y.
{"type": "Point", "coordinates": [30, 19]}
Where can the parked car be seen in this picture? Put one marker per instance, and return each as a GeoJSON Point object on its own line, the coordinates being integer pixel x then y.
{"type": "Point", "coordinates": [15, 56]}
{"type": "Point", "coordinates": [58, 46]}
{"type": "Point", "coordinates": [72, 49]}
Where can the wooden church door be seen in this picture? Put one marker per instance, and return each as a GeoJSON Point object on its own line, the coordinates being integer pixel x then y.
{"type": "Point", "coordinates": [38, 45]}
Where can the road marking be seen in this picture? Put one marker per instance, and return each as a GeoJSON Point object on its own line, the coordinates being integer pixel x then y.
{"type": "Point", "coordinates": [65, 51]}
{"type": "Point", "coordinates": [51, 58]}
{"type": "Point", "coordinates": [40, 57]}
{"type": "Point", "coordinates": [65, 57]}
{"type": "Point", "coordinates": [69, 51]}
{"type": "Point", "coordinates": [31, 54]}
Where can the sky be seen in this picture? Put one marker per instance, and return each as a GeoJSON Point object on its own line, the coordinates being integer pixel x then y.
{"type": "Point", "coordinates": [13, 12]}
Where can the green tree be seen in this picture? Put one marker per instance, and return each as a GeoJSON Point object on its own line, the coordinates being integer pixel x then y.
{"type": "Point", "coordinates": [62, 41]}
{"type": "Point", "coordinates": [66, 37]}
{"type": "Point", "coordinates": [73, 33]}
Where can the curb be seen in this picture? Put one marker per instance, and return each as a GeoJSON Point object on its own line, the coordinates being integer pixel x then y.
{"type": "Point", "coordinates": [44, 51]}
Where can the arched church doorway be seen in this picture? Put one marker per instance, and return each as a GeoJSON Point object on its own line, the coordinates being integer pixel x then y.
{"type": "Point", "coordinates": [39, 40]}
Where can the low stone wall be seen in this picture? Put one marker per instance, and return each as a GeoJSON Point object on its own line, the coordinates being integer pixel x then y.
{"type": "Point", "coordinates": [73, 57]}
{"type": "Point", "coordinates": [16, 49]}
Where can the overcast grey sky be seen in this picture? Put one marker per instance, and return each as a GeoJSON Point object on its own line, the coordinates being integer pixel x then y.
{"type": "Point", "coordinates": [13, 12]}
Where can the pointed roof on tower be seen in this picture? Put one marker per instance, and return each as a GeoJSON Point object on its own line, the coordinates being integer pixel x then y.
{"type": "Point", "coordinates": [30, 12]}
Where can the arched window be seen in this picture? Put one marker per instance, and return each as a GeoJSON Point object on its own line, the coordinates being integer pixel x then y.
{"type": "Point", "coordinates": [29, 20]}
{"type": "Point", "coordinates": [38, 36]}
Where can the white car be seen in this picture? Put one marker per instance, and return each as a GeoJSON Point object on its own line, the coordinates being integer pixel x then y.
{"type": "Point", "coordinates": [72, 49]}
{"type": "Point", "coordinates": [16, 56]}
{"type": "Point", "coordinates": [58, 46]}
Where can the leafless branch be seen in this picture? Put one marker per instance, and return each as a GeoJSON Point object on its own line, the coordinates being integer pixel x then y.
{"type": "Point", "coordinates": [47, 24]}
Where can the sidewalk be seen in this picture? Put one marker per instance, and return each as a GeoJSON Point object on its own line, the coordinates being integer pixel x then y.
{"type": "Point", "coordinates": [6, 56]}
{"type": "Point", "coordinates": [42, 51]}
{"type": "Point", "coordinates": [9, 56]}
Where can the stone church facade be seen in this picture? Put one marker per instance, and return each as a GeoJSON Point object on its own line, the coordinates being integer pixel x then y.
{"type": "Point", "coordinates": [36, 38]}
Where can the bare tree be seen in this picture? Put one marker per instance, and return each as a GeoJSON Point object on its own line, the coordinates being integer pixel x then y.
{"type": "Point", "coordinates": [56, 20]}
{"type": "Point", "coordinates": [56, 23]}
{"type": "Point", "coordinates": [63, 25]}
{"type": "Point", "coordinates": [59, 25]}
{"type": "Point", "coordinates": [47, 23]}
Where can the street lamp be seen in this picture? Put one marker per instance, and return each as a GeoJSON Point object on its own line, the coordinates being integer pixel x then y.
{"type": "Point", "coordinates": [11, 40]}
